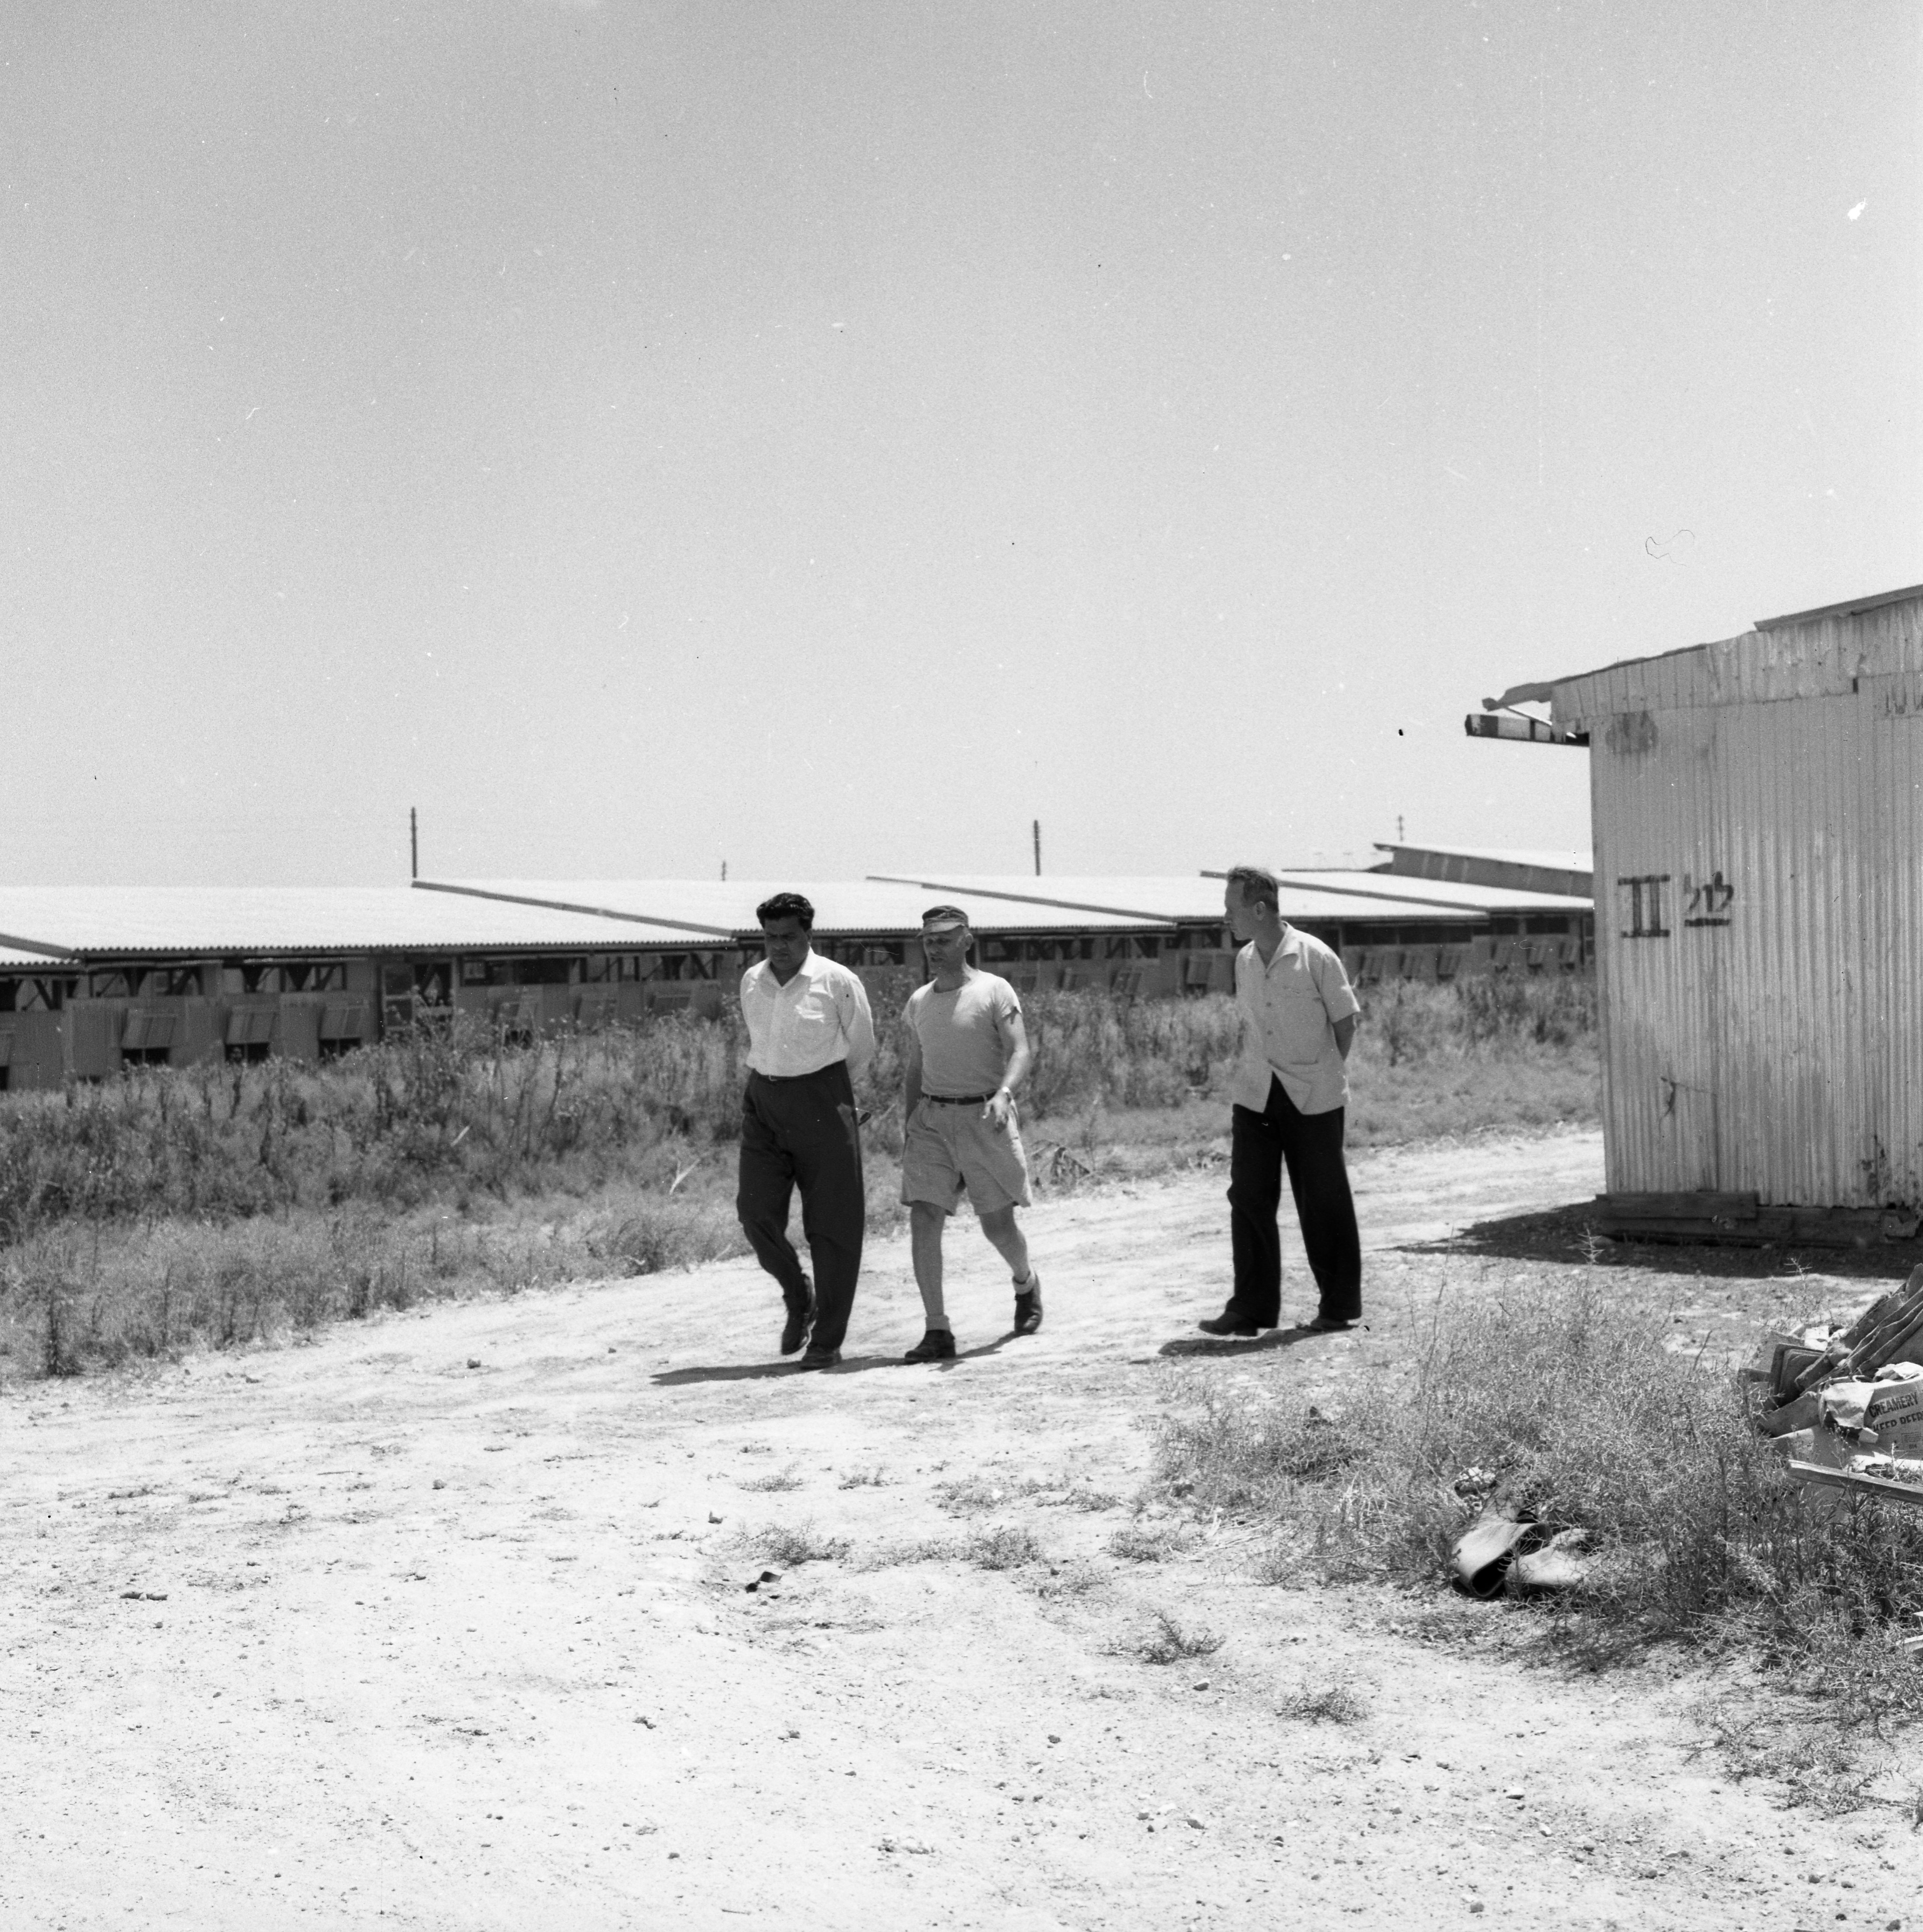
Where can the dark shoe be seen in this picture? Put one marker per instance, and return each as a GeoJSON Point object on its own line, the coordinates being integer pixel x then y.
{"type": "Point", "coordinates": [1028, 1306]}
{"type": "Point", "coordinates": [794, 1331]}
{"type": "Point", "coordinates": [1228, 1322]}
{"type": "Point", "coordinates": [936, 1345]}
{"type": "Point", "coordinates": [1331, 1324]}
{"type": "Point", "coordinates": [820, 1358]}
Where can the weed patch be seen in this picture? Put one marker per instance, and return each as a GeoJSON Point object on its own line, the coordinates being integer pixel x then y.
{"type": "Point", "coordinates": [776, 1480]}
{"type": "Point", "coordinates": [1169, 1642]}
{"type": "Point", "coordinates": [1337, 1702]}
{"type": "Point", "coordinates": [1560, 1401]}
{"type": "Point", "coordinates": [1150, 1543]}
{"type": "Point", "coordinates": [1005, 1548]}
{"type": "Point", "coordinates": [792, 1544]}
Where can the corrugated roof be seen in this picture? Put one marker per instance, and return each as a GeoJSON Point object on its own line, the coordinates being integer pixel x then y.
{"type": "Point", "coordinates": [1441, 895]}
{"type": "Point", "coordinates": [205, 922]}
{"type": "Point", "coordinates": [726, 907]}
{"type": "Point", "coordinates": [13, 955]}
{"type": "Point", "coordinates": [1568, 861]}
{"type": "Point", "coordinates": [1806, 653]}
{"type": "Point", "coordinates": [1193, 897]}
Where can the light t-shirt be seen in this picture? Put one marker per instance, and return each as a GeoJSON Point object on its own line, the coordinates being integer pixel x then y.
{"type": "Point", "coordinates": [966, 1036]}
{"type": "Point", "coordinates": [1289, 1009]}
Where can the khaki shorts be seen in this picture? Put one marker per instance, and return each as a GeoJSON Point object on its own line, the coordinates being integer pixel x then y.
{"type": "Point", "coordinates": [947, 1149]}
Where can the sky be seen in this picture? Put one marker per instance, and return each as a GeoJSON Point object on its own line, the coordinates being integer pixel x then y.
{"type": "Point", "coordinates": [825, 439]}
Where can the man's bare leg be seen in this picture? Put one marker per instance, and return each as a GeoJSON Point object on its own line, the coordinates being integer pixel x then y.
{"type": "Point", "coordinates": [998, 1224]}
{"type": "Point", "coordinates": [925, 1228]}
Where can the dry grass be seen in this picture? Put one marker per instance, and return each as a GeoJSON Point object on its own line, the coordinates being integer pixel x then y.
{"type": "Point", "coordinates": [219, 1205]}
{"type": "Point", "coordinates": [792, 1544]}
{"type": "Point", "coordinates": [775, 1481]}
{"type": "Point", "coordinates": [1007, 1547]}
{"type": "Point", "coordinates": [1169, 1641]}
{"type": "Point", "coordinates": [1335, 1702]}
{"type": "Point", "coordinates": [1575, 1406]}
{"type": "Point", "coordinates": [1150, 1542]}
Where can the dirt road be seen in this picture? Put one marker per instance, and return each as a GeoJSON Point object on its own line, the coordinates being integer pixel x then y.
{"type": "Point", "coordinates": [440, 1622]}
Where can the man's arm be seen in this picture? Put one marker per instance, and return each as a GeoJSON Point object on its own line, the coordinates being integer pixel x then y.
{"type": "Point", "coordinates": [1021, 1056]}
{"type": "Point", "coordinates": [857, 1024]}
{"type": "Point", "coordinates": [911, 1071]}
{"type": "Point", "coordinates": [1332, 983]}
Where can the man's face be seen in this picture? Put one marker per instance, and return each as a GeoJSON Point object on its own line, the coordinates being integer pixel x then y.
{"type": "Point", "coordinates": [785, 942]}
{"type": "Point", "coordinates": [947, 950]}
{"type": "Point", "coordinates": [1240, 915]}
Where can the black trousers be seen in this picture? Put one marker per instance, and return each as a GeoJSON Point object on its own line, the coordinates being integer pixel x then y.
{"type": "Point", "coordinates": [801, 1133]}
{"type": "Point", "coordinates": [1310, 1144]}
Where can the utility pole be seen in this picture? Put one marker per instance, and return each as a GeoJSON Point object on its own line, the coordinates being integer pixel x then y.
{"type": "Point", "coordinates": [1038, 848]}
{"type": "Point", "coordinates": [724, 872]}
{"type": "Point", "coordinates": [413, 843]}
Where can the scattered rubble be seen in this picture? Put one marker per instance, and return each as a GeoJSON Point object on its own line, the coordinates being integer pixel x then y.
{"type": "Point", "coordinates": [1844, 1403]}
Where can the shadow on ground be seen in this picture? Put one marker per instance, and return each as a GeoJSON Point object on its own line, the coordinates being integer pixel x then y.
{"type": "Point", "coordinates": [1255, 1345]}
{"type": "Point", "coordinates": [1570, 1235]}
{"type": "Point", "coordinates": [849, 1365]}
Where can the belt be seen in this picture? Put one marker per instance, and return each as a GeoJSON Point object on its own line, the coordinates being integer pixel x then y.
{"type": "Point", "coordinates": [784, 1079]}
{"type": "Point", "coordinates": [959, 1099]}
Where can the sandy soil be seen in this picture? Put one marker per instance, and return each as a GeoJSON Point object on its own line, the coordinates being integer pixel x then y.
{"type": "Point", "coordinates": [440, 1622]}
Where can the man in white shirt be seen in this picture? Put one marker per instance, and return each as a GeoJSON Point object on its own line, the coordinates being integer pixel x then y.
{"type": "Point", "coordinates": [809, 1032]}
{"type": "Point", "coordinates": [963, 1051]}
{"type": "Point", "coordinates": [1291, 1094]}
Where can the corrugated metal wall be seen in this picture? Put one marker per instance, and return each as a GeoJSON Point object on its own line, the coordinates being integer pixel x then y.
{"type": "Point", "coordinates": [1760, 915]}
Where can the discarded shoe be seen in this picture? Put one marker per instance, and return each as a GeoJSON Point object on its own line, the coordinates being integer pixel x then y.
{"type": "Point", "coordinates": [794, 1331]}
{"type": "Point", "coordinates": [1028, 1306]}
{"type": "Point", "coordinates": [820, 1358]}
{"type": "Point", "coordinates": [936, 1345]}
{"type": "Point", "coordinates": [1230, 1321]}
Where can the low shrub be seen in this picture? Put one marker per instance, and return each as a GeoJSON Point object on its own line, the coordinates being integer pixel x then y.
{"type": "Point", "coordinates": [791, 1544]}
{"type": "Point", "coordinates": [1559, 1400]}
{"type": "Point", "coordinates": [1169, 1641]}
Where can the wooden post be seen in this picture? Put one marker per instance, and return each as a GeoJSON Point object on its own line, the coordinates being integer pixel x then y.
{"type": "Point", "coordinates": [413, 843]}
{"type": "Point", "coordinates": [1038, 848]}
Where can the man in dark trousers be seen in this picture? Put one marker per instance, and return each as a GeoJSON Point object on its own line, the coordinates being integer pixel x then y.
{"type": "Point", "coordinates": [809, 1032]}
{"type": "Point", "coordinates": [1291, 1096]}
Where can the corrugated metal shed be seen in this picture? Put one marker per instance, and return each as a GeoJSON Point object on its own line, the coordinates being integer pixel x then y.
{"type": "Point", "coordinates": [191, 922]}
{"type": "Point", "coordinates": [726, 908]}
{"type": "Point", "coordinates": [1758, 817]}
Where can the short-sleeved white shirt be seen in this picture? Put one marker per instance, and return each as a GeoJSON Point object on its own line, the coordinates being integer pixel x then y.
{"type": "Point", "coordinates": [1289, 1009]}
{"type": "Point", "coordinates": [966, 1036]}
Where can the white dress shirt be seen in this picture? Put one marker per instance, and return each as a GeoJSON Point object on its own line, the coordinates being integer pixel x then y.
{"type": "Point", "coordinates": [1289, 1009]}
{"type": "Point", "coordinates": [819, 1017]}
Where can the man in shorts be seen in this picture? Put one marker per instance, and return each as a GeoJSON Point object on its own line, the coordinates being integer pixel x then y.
{"type": "Point", "coordinates": [964, 1051]}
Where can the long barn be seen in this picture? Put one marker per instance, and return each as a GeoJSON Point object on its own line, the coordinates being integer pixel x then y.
{"type": "Point", "coordinates": [93, 980]}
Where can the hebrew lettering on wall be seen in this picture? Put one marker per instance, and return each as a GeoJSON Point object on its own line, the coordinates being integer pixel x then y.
{"type": "Point", "coordinates": [1644, 894]}
{"type": "Point", "coordinates": [1707, 901]}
